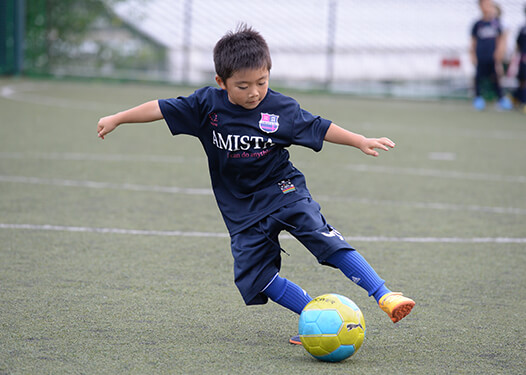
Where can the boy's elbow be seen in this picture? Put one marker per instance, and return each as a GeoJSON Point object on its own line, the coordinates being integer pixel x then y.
{"type": "Point", "coordinates": [156, 110]}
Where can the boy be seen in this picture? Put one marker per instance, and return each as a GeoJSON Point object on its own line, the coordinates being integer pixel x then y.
{"type": "Point", "coordinates": [487, 42]}
{"type": "Point", "coordinates": [520, 94]}
{"type": "Point", "coordinates": [244, 128]}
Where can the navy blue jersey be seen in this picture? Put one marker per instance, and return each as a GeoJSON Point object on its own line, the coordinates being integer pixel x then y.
{"type": "Point", "coordinates": [247, 158]}
{"type": "Point", "coordinates": [521, 41]}
{"type": "Point", "coordinates": [486, 34]}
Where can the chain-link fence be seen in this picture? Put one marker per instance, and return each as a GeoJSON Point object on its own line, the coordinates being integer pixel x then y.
{"type": "Point", "coordinates": [416, 47]}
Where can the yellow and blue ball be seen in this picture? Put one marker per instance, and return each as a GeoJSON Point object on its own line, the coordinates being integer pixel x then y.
{"type": "Point", "coordinates": [331, 327]}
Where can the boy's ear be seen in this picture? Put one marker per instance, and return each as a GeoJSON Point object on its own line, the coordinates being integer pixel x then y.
{"type": "Point", "coordinates": [220, 82]}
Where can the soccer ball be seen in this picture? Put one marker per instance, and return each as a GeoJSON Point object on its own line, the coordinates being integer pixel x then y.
{"type": "Point", "coordinates": [331, 328]}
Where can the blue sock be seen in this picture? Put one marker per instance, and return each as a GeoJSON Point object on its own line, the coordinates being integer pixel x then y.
{"type": "Point", "coordinates": [287, 294]}
{"type": "Point", "coordinates": [356, 268]}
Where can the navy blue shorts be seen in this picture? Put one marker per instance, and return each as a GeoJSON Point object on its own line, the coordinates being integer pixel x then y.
{"type": "Point", "coordinates": [257, 252]}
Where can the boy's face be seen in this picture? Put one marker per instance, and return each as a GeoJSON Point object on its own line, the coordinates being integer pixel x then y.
{"type": "Point", "coordinates": [246, 88]}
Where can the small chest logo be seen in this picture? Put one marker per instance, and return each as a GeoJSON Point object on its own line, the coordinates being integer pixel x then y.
{"type": "Point", "coordinates": [212, 117]}
{"type": "Point", "coordinates": [286, 186]}
{"type": "Point", "coordinates": [269, 123]}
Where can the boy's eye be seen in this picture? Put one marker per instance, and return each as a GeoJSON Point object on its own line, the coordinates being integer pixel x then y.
{"type": "Point", "coordinates": [262, 83]}
{"type": "Point", "coordinates": [242, 87]}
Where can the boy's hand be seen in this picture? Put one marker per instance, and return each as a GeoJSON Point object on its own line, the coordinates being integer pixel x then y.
{"type": "Point", "coordinates": [368, 145]}
{"type": "Point", "coordinates": [336, 134]}
{"type": "Point", "coordinates": [106, 125]}
{"type": "Point", "coordinates": [146, 112]}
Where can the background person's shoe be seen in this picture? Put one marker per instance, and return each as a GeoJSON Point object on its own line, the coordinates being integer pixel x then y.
{"type": "Point", "coordinates": [479, 103]}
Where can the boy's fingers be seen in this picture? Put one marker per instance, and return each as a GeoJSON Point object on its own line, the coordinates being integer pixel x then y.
{"type": "Point", "coordinates": [383, 146]}
{"type": "Point", "coordinates": [388, 142]}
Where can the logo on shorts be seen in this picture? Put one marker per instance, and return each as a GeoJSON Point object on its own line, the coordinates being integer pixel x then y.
{"type": "Point", "coordinates": [333, 233]}
{"type": "Point", "coordinates": [286, 186]}
{"type": "Point", "coordinates": [269, 123]}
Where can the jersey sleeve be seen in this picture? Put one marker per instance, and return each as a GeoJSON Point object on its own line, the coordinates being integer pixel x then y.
{"type": "Point", "coordinates": [474, 30]}
{"type": "Point", "coordinates": [182, 114]}
{"type": "Point", "coordinates": [309, 130]}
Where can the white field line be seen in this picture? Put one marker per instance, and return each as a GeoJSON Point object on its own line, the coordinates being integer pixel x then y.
{"type": "Point", "coordinates": [203, 191]}
{"type": "Point", "coordinates": [139, 232]}
{"type": "Point", "coordinates": [426, 205]}
{"type": "Point", "coordinates": [105, 185]}
{"type": "Point", "coordinates": [60, 228]}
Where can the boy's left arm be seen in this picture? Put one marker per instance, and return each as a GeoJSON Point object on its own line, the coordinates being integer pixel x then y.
{"type": "Point", "coordinates": [336, 134]}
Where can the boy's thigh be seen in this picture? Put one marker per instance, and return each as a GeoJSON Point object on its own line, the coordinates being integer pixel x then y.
{"type": "Point", "coordinates": [253, 248]}
{"type": "Point", "coordinates": [313, 231]}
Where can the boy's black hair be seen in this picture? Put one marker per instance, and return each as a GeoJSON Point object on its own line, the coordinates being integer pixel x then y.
{"type": "Point", "coordinates": [242, 49]}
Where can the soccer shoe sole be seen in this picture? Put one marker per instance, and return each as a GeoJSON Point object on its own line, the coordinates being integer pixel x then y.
{"type": "Point", "coordinates": [397, 311]}
{"type": "Point", "coordinates": [402, 310]}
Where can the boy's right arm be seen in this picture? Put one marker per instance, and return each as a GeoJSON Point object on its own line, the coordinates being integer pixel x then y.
{"type": "Point", "coordinates": [146, 112]}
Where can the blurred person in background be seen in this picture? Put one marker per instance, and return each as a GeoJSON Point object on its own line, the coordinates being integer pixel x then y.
{"type": "Point", "coordinates": [487, 50]}
{"type": "Point", "coordinates": [520, 93]}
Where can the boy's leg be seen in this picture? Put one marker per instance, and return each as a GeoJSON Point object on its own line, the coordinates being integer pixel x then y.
{"type": "Point", "coordinates": [287, 294]}
{"type": "Point", "coordinates": [356, 268]}
{"type": "Point", "coordinates": [310, 227]}
{"type": "Point", "coordinates": [257, 260]}
{"type": "Point", "coordinates": [352, 264]}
